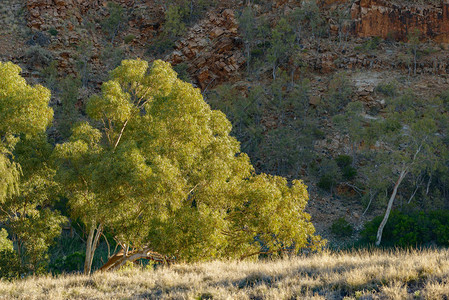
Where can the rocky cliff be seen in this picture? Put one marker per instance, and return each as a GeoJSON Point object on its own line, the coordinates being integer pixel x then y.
{"type": "Point", "coordinates": [394, 19]}
{"type": "Point", "coordinates": [212, 50]}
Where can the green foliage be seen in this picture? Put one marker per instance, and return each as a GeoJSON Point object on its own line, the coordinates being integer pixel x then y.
{"type": "Point", "coordinates": [338, 95]}
{"type": "Point", "coordinates": [160, 46]}
{"type": "Point", "coordinates": [53, 31]}
{"type": "Point", "coordinates": [330, 175]}
{"type": "Point", "coordinates": [332, 172]}
{"type": "Point", "coordinates": [111, 25]}
{"type": "Point", "coordinates": [327, 182]}
{"type": "Point", "coordinates": [23, 110]}
{"type": "Point", "coordinates": [409, 131]}
{"type": "Point", "coordinates": [5, 243]}
{"type": "Point", "coordinates": [371, 44]}
{"type": "Point", "coordinates": [285, 148]}
{"type": "Point", "coordinates": [282, 37]}
{"type": "Point", "coordinates": [245, 113]}
{"type": "Point", "coordinates": [129, 38]}
{"type": "Point", "coordinates": [50, 74]}
{"type": "Point", "coordinates": [307, 18]}
{"type": "Point", "coordinates": [38, 56]}
{"type": "Point", "coordinates": [411, 229]}
{"type": "Point", "coordinates": [67, 113]}
{"type": "Point", "coordinates": [183, 72]}
{"type": "Point", "coordinates": [344, 162]}
{"type": "Point", "coordinates": [71, 263]}
{"type": "Point", "coordinates": [248, 27]}
{"type": "Point", "coordinates": [111, 56]}
{"type": "Point", "coordinates": [84, 53]}
{"type": "Point", "coordinates": [342, 228]}
{"type": "Point", "coordinates": [174, 25]}
{"type": "Point", "coordinates": [162, 170]}
{"type": "Point", "coordinates": [28, 215]}
{"type": "Point", "coordinates": [10, 267]}
{"type": "Point", "coordinates": [388, 89]}
{"type": "Point", "coordinates": [24, 117]}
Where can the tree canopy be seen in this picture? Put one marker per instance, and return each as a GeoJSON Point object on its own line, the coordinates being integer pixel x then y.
{"type": "Point", "coordinates": [158, 168]}
{"type": "Point", "coordinates": [27, 177]}
{"type": "Point", "coordinates": [23, 110]}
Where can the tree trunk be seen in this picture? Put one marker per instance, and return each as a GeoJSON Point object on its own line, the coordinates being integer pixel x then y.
{"type": "Point", "coordinates": [390, 205]}
{"type": "Point", "coordinates": [92, 242]}
{"type": "Point", "coordinates": [121, 258]}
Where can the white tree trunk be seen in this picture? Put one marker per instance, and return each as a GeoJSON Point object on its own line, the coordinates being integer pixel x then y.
{"type": "Point", "coordinates": [390, 205]}
{"type": "Point", "coordinates": [92, 242]}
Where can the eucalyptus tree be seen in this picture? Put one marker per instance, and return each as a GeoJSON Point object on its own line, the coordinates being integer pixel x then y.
{"type": "Point", "coordinates": [158, 168]}
{"type": "Point", "coordinates": [282, 44]}
{"type": "Point", "coordinates": [25, 175]}
{"type": "Point", "coordinates": [248, 27]}
{"type": "Point", "coordinates": [23, 110]}
{"type": "Point", "coordinates": [409, 142]}
{"type": "Point", "coordinates": [351, 123]}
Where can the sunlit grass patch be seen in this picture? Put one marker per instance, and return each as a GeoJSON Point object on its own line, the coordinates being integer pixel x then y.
{"type": "Point", "coordinates": [396, 274]}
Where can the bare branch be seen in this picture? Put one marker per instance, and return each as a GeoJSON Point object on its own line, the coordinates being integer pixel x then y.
{"type": "Point", "coordinates": [121, 133]}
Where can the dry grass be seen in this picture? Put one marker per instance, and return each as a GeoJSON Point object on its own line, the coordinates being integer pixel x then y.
{"type": "Point", "coordinates": [345, 275]}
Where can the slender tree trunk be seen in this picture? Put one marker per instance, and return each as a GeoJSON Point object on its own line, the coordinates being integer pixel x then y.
{"type": "Point", "coordinates": [248, 55]}
{"type": "Point", "coordinates": [92, 242]}
{"type": "Point", "coordinates": [414, 61]}
{"type": "Point", "coordinates": [390, 205]}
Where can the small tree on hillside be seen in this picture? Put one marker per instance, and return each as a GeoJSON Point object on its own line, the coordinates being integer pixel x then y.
{"type": "Point", "coordinates": [413, 38]}
{"type": "Point", "coordinates": [282, 42]}
{"type": "Point", "coordinates": [409, 143]}
{"type": "Point", "coordinates": [351, 123]}
{"type": "Point", "coordinates": [248, 26]}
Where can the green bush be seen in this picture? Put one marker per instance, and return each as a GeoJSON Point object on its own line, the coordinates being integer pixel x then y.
{"type": "Point", "coordinates": [327, 182]}
{"type": "Point", "coordinates": [412, 229]}
{"type": "Point", "coordinates": [183, 71]}
{"type": "Point", "coordinates": [160, 46]}
{"type": "Point", "coordinates": [369, 45]}
{"type": "Point", "coordinates": [53, 31]}
{"type": "Point", "coordinates": [343, 161]}
{"type": "Point", "coordinates": [348, 172]}
{"type": "Point", "coordinates": [342, 228]}
{"type": "Point", "coordinates": [129, 38]}
{"type": "Point", "coordinates": [388, 89]}
{"type": "Point", "coordinates": [70, 263]}
{"type": "Point", "coordinates": [116, 19]}
{"type": "Point", "coordinates": [10, 267]}
{"type": "Point", "coordinates": [38, 56]}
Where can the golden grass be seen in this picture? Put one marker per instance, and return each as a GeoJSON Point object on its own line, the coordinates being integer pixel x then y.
{"type": "Point", "coordinates": [397, 274]}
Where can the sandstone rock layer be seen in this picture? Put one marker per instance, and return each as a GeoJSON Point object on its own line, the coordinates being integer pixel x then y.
{"type": "Point", "coordinates": [394, 19]}
{"type": "Point", "coordinates": [212, 50]}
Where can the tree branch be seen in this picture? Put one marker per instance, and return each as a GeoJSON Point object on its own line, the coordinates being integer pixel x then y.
{"type": "Point", "coordinates": [120, 135]}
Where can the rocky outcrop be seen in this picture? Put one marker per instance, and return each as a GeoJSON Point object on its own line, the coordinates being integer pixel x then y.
{"type": "Point", "coordinates": [212, 50]}
{"type": "Point", "coordinates": [394, 19]}
{"type": "Point", "coordinates": [74, 29]}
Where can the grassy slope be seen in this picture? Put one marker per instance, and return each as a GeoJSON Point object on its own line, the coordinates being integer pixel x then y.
{"type": "Point", "coordinates": [359, 275]}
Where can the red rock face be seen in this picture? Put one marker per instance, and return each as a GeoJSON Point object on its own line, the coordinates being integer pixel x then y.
{"type": "Point", "coordinates": [212, 50]}
{"type": "Point", "coordinates": [394, 19]}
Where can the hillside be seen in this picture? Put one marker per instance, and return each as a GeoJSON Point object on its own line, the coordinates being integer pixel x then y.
{"type": "Point", "coordinates": [349, 96]}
